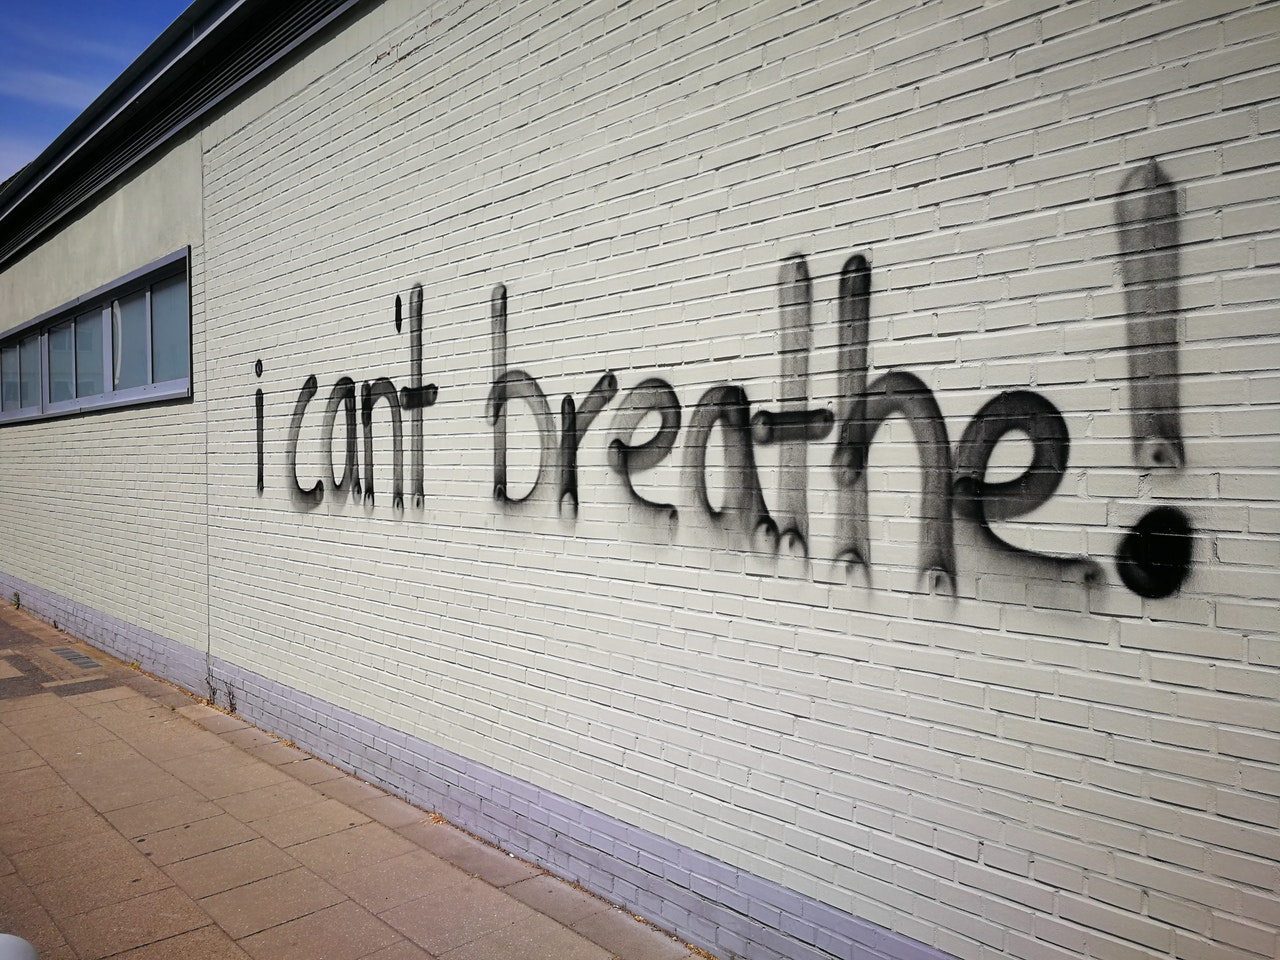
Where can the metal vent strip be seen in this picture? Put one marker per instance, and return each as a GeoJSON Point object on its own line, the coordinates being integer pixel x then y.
{"type": "Point", "coordinates": [76, 658]}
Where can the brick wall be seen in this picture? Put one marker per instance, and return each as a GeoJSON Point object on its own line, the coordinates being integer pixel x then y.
{"type": "Point", "coordinates": [107, 511]}
{"type": "Point", "coordinates": [1000, 675]}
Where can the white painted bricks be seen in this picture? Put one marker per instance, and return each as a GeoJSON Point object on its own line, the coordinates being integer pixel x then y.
{"type": "Point", "coordinates": [1030, 767]}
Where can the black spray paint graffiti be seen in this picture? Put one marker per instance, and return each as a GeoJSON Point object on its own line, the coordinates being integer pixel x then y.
{"type": "Point", "coordinates": [415, 398]}
{"type": "Point", "coordinates": [342, 399]}
{"type": "Point", "coordinates": [649, 396]}
{"type": "Point", "coordinates": [980, 501]}
{"type": "Point", "coordinates": [575, 420]}
{"type": "Point", "coordinates": [1155, 556]}
{"type": "Point", "coordinates": [1153, 559]}
{"type": "Point", "coordinates": [258, 418]}
{"type": "Point", "coordinates": [795, 425]}
{"type": "Point", "coordinates": [862, 410]}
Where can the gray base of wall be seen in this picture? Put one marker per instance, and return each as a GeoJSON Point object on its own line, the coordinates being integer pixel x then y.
{"type": "Point", "coordinates": [175, 662]}
{"type": "Point", "coordinates": [707, 902]}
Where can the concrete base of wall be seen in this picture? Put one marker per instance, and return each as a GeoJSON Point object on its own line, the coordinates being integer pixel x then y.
{"type": "Point", "coordinates": [707, 902]}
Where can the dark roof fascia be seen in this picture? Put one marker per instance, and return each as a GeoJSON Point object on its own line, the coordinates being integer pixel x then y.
{"type": "Point", "coordinates": [212, 51]}
{"type": "Point", "coordinates": [194, 24]}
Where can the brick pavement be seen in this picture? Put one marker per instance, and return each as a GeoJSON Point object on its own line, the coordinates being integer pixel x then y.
{"type": "Point", "coordinates": [136, 822]}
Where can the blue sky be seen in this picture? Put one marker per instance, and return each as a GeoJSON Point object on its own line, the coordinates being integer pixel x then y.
{"type": "Point", "coordinates": [56, 57]}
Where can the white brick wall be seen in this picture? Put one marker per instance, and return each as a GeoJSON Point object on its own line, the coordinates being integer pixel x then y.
{"type": "Point", "coordinates": [108, 509]}
{"type": "Point", "coordinates": [1031, 768]}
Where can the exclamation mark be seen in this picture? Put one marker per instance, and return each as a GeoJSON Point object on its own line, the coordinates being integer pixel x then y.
{"type": "Point", "coordinates": [257, 410]}
{"type": "Point", "coordinates": [1154, 557]}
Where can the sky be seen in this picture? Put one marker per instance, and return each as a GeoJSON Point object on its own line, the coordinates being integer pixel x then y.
{"type": "Point", "coordinates": [56, 56]}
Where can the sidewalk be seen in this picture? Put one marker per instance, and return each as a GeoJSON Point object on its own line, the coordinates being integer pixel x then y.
{"type": "Point", "coordinates": [137, 823]}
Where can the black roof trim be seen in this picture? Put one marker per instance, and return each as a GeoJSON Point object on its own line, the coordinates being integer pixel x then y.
{"type": "Point", "coordinates": [204, 58]}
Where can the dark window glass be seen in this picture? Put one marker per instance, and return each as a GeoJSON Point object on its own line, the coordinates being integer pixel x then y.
{"type": "Point", "coordinates": [62, 362]}
{"type": "Point", "coordinates": [89, 354]}
{"type": "Point", "coordinates": [29, 362]}
{"type": "Point", "coordinates": [10, 394]}
{"type": "Point", "coordinates": [170, 331]}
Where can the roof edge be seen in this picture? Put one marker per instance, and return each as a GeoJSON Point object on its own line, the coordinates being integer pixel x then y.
{"type": "Point", "coordinates": [204, 58]}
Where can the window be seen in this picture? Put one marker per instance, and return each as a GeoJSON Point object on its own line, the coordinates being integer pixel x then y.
{"type": "Point", "coordinates": [123, 344]}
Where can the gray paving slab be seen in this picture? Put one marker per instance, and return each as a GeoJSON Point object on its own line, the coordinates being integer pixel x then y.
{"type": "Point", "coordinates": [139, 824]}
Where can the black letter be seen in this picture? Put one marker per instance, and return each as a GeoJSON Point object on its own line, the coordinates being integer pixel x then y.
{"type": "Point", "coordinates": [417, 397]}
{"type": "Point", "coordinates": [744, 511]}
{"type": "Point", "coordinates": [513, 385]}
{"type": "Point", "coordinates": [654, 396]}
{"type": "Point", "coordinates": [343, 397]}
{"type": "Point", "coordinates": [369, 395]}
{"type": "Point", "coordinates": [795, 425]}
{"type": "Point", "coordinates": [862, 410]}
{"type": "Point", "coordinates": [982, 502]}
{"type": "Point", "coordinates": [307, 499]}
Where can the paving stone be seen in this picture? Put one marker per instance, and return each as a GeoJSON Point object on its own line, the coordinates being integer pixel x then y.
{"type": "Point", "coordinates": [193, 839]}
{"type": "Point", "coordinates": [107, 882]}
{"type": "Point", "coordinates": [78, 854]}
{"type": "Point", "coordinates": [122, 926]}
{"type": "Point", "coordinates": [39, 804]}
{"type": "Point", "coordinates": [349, 790]}
{"type": "Point", "coordinates": [456, 915]}
{"type": "Point", "coordinates": [619, 933]}
{"type": "Point", "coordinates": [68, 742]}
{"type": "Point", "coordinates": [113, 750]}
{"type": "Point", "coordinates": [535, 938]}
{"type": "Point", "coordinates": [22, 915]}
{"type": "Point", "coordinates": [206, 943]}
{"type": "Point", "coordinates": [268, 801]}
{"type": "Point", "coordinates": [276, 753]}
{"type": "Point", "coordinates": [17, 711]}
{"type": "Point", "coordinates": [9, 742]}
{"type": "Point", "coordinates": [224, 773]}
{"type": "Point", "coordinates": [267, 903]}
{"type": "Point", "coordinates": [115, 694]}
{"type": "Point", "coordinates": [312, 771]}
{"type": "Point", "coordinates": [187, 806]}
{"type": "Point", "coordinates": [469, 854]}
{"type": "Point", "coordinates": [114, 785]}
{"type": "Point", "coordinates": [233, 867]}
{"type": "Point", "coordinates": [389, 883]}
{"type": "Point", "coordinates": [211, 719]}
{"type": "Point", "coordinates": [291, 827]}
{"type": "Point", "coordinates": [556, 899]}
{"type": "Point", "coordinates": [171, 740]}
{"type": "Point", "coordinates": [49, 829]}
{"type": "Point", "coordinates": [391, 811]}
{"type": "Point", "coordinates": [403, 950]}
{"type": "Point", "coordinates": [341, 932]}
{"type": "Point", "coordinates": [351, 849]}
{"type": "Point", "coordinates": [248, 737]}
{"type": "Point", "coordinates": [20, 687]}
{"type": "Point", "coordinates": [13, 783]}
{"type": "Point", "coordinates": [21, 759]}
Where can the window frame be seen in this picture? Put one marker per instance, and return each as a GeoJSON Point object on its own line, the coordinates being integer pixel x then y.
{"type": "Point", "coordinates": [101, 299]}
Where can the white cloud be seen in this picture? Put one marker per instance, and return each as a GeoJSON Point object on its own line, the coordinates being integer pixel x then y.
{"type": "Point", "coordinates": [117, 51]}
{"type": "Point", "coordinates": [50, 89]}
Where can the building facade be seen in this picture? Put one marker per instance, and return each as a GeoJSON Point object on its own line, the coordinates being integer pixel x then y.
{"type": "Point", "coordinates": [805, 471]}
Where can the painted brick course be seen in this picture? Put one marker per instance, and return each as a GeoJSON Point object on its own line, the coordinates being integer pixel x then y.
{"type": "Point", "coordinates": [1031, 759]}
